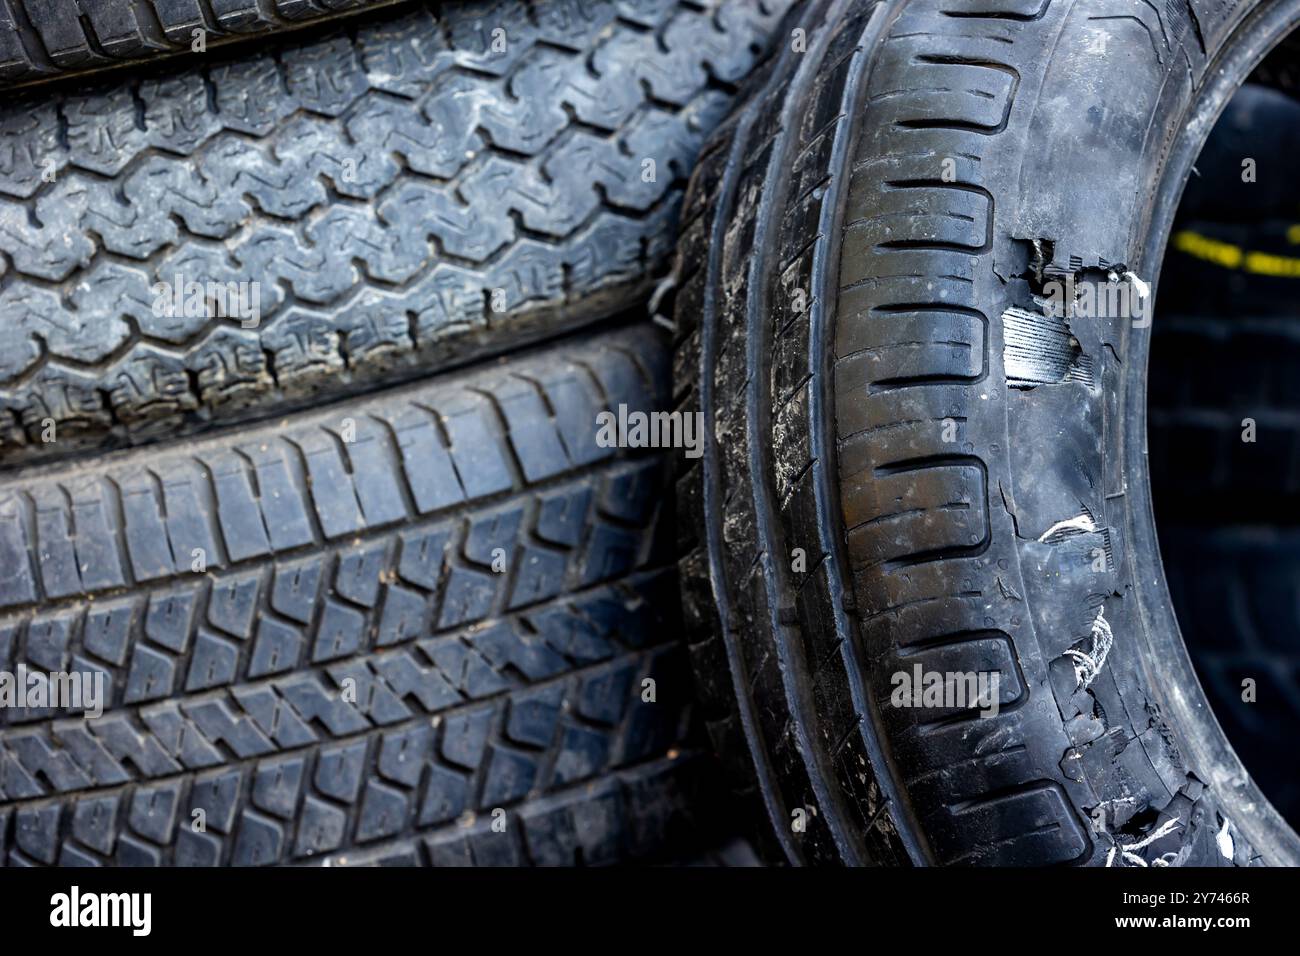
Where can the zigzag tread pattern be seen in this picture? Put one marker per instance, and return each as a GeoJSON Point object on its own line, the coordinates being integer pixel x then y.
{"type": "Point", "coordinates": [194, 245]}
{"type": "Point", "coordinates": [400, 785]}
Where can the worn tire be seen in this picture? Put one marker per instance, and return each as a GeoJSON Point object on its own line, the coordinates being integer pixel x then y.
{"type": "Point", "coordinates": [908, 463]}
{"type": "Point", "coordinates": [405, 194]}
{"type": "Point", "coordinates": [360, 634]}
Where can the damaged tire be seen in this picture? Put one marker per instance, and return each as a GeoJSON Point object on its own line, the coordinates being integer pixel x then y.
{"type": "Point", "coordinates": [915, 288]}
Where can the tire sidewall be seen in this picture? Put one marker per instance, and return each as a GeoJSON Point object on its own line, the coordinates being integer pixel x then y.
{"type": "Point", "coordinates": [1163, 654]}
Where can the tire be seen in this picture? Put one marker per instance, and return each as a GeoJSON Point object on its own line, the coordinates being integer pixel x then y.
{"type": "Point", "coordinates": [363, 634]}
{"type": "Point", "coordinates": [395, 197]}
{"type": "Point", "coordinates": [43, 40]}
{"type": "Point", "coordinates": [1261, 124]}
{"type": "Point", "coordinates": [1225, 354]}
{"type": "Point", "coordinates": [1226, 512]}
{"type": "Point", "coordinates": [909, 464]}
{"type": "Point", "coordinates": [1234, 589]}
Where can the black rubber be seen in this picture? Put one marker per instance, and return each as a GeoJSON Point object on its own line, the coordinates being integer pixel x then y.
{"type": "Point", "coordinates": [1227, 346]}
{"type": "Point", "coordinates": [361, 634]}
{"type": "Point", "coordinates": [1242, 173]}
{"type": "Point", "coordinates": [50, 39]}
{"type": "Point", "coordinates": [1209, 376]}
{"type": "Point", "coordinates": [1235, 587]}
{"type": "Point", "coordinates": [1225, 367]}
{"type": "Point", "coordinates": [406, 193]}
{"type": "Point", "coordinates": [897, 431]}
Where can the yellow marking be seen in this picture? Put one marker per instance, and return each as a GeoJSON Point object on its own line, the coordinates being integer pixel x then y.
{"type": "Point", "coordinates": [1267, 264]}
{"type": "Point", "coordinates": [1231, 256]}
{"type": "Point", "coordinates": [1210, 250]}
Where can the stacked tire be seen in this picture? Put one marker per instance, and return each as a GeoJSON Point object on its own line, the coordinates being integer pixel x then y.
{"type": "Point", "coordinates": [304, 344]}
{"type": "Point", "coordinates": [359, 582]}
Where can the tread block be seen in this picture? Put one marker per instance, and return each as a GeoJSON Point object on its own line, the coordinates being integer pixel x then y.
{"type": "Point", "coordinates": [1048, 829]}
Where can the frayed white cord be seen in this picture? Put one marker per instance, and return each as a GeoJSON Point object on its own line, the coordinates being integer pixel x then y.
{"type": "Point", "coordinates": [1082, 523]}
{"type": "Point", "coordinates": [1224, 840]}
{"type": "Point", "coordinates": [1088, 666]}
{"type": "Point", "coordinates": [1126, 849]}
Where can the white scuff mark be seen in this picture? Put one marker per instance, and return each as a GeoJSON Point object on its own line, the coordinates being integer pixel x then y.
{"type": "Point", "coordinates": [1088, 666]}
{"type": "Point", "coordinates": [666, 285]}
{"type": "Point", "coordinates": [1128, 851]}
{"type": "Point", "coordinates": [1143, 287]}
{"type": "Point", "coordinates": [1224, 840]}
{"type": "Point", "coordinates": [1082, 523]}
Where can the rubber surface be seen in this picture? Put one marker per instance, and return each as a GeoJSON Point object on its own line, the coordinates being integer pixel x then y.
{"type": "Point", "coordinates": [1235, 590]}
{"type": "Point", "coordinates": [896, 432]}
{"type": "Point", "coordinates": [1241, 174]}
{"type": "Point", "coordinates": [395, 198]}
{"type": "Point", "coordinates": [768, 646]}
{"type": "Point", "coordinates": [51, 39]}
{"type": "Point", "coordinates": [1227, 346]}
{"type": "Point", "coordinates": [1224, 363]}
{"type": "Point", "coordinates": [359, 635]}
